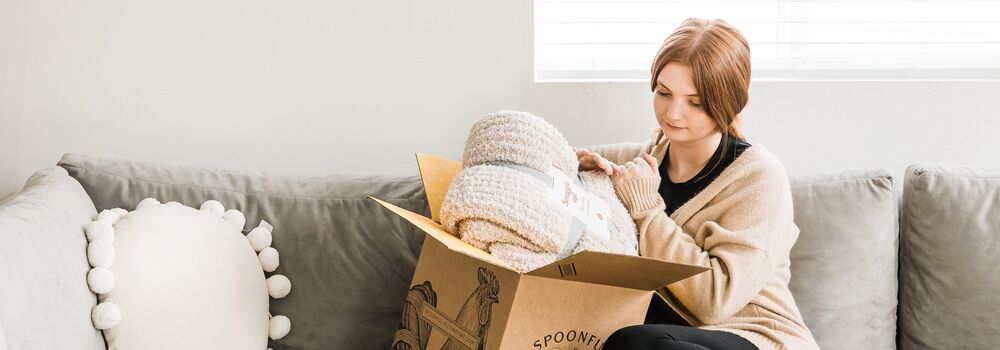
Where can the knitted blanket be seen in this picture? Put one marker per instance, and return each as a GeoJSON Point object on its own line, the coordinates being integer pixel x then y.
{"type": "Point", "coordinates": [520, 197]}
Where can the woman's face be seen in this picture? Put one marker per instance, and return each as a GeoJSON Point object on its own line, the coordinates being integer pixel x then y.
{"type": "Point", "coordinates": [678, 107]}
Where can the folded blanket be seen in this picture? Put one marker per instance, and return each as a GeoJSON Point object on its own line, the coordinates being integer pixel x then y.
{"type": "Point", "coordinates": [520, 197]}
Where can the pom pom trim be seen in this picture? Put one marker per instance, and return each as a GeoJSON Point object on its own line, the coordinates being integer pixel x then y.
{"type": "Point", "coordinates": [100, 235]}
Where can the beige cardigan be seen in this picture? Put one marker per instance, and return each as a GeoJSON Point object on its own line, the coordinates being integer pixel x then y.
{"type": "Point", "coordinates": [741, 227]}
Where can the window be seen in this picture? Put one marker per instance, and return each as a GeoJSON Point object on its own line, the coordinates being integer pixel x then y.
{"type": "Point", "coordinates": [606, 40]}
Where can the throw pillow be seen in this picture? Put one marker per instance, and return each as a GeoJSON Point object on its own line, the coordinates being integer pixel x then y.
{"type": "Point", "coordinates": [170, 276]}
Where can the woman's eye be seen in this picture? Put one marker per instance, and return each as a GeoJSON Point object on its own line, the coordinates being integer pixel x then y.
{"type": "Point", "coordinates": [661, 93]}
{"type": "Point", "coordinates": [695, 104]}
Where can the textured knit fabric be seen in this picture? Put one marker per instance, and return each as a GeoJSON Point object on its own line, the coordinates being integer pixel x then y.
{"type": "Point", "coordinates": [510, 213]}
{"type": "Point", "coordinates": [741, 226]}
{"type": "Point", "coordinates": [520, 138]}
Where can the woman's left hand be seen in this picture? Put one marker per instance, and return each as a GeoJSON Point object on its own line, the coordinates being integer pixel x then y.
{"type": "Point", "coordinates": [644, 166]}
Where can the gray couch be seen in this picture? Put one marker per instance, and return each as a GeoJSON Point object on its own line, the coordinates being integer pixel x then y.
{"type": "Point", "coordinates": [878, 263]}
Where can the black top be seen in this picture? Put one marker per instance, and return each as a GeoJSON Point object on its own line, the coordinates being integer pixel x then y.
{"type": "Point", "coordinates": [675, 195]}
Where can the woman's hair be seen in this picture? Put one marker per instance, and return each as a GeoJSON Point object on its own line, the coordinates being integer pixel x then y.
{"type": "Point", "coordinates": [719, 58]}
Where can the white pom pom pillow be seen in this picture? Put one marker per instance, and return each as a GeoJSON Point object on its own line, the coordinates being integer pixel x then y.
{"type": "Point", "coordinates": [170, 276]}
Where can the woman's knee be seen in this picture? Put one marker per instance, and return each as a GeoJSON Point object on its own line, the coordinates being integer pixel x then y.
{"type": "Point", "coordinates": [631, 337]}
{"type": "Point", "coordinates": [641, 337]}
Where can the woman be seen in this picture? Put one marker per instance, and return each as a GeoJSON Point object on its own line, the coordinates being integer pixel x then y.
{"type": "Point", "coordinates": [700, 194]}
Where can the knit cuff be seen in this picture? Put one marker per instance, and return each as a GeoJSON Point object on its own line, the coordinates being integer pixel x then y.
{"type": "Point", "coordinates": [639, 195]}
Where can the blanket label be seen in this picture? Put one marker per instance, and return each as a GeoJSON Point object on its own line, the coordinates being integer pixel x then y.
{"type": "Point", "coordinates": [583, 205]}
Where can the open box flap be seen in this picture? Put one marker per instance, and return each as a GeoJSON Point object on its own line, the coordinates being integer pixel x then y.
{"type": "Point", "coordinates": [593, 267]}
{"type": "Point", "coordinates": [437, 173]}
{"type": "Point", "coordinates": [435, 231]}
{"type": "Point", "coordinates": [619, 270]}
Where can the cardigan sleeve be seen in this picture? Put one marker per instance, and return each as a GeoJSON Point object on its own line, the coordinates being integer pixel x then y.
{"type": "Point", "coordinates": [620, 153]}
{"type": "Point", "coordinates": [735, 245]}
{"type": "Point", "coordinates": [617, 153]}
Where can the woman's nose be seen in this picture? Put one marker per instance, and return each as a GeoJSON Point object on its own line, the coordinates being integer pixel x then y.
{"type": "Point", "coordinates": [675, 113]}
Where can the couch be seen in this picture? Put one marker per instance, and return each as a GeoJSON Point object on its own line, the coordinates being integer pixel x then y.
{"type": "Point", "coordinates": [879, 263]}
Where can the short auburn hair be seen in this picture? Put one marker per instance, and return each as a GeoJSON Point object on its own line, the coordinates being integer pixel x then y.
{"type": "Point", "coordinates": [719, 58]}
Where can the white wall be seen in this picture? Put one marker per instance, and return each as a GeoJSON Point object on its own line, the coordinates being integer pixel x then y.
{"type": "Point", "coordinates": [318, 87]}
{"type": "Point", "coordinates": [11, 77]}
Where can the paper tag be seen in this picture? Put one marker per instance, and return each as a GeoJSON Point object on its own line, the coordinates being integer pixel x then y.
{"type": "Point", "coordinates": [266, 225]}
{"type": "Point", "coordinates": [581, 204]}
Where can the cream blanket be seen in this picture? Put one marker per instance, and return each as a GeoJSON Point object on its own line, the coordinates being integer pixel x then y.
{"type": "Point", "coordinates": [520, 197]}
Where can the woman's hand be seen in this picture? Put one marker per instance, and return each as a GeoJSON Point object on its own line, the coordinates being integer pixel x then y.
{"type": "Point", "coordinates": [637, 184]}
{"type": "Point", "coordinates": [593, 161]}
{"type": "Point", "coordinates": [643, 166]}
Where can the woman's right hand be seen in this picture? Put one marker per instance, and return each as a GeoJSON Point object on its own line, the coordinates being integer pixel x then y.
{"type": "Point", "coordinates": [593, 161]}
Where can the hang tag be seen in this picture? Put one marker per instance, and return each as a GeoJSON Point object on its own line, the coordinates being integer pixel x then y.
{"type": "Point", "coordinates": [266, 225]}
{"type": "Point", "coordinates": [581, 204]}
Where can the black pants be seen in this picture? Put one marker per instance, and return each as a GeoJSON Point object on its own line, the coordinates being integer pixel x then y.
{"type": "Point", "coordinates": [669, 337]}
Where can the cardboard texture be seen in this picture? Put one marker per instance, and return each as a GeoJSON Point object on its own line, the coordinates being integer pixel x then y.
{"type": "Point", "coordinates": [461, 297]}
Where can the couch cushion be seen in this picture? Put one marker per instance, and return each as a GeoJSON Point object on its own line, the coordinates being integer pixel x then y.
{"type": "Point", "coordinates": [950, 258]}
{"type": "Point", "coordinates": [44, 299]}
{"type": "Point", "coordinates": [844, 262]}
{"type": "Point", "coordinates": [349, 260]}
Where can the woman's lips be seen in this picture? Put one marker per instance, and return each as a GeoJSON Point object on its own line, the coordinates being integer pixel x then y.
{"type": "Point", "coordinates": [674, 126]}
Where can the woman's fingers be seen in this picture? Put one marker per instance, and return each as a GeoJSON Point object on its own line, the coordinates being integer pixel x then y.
{"type": "Point", "coordinates": [593, 161]}
{"type": "Point", "coordinates": [606, 165]}
{"type": "Point", "coordinates": [586, 159]}
{"type": "Point", "coordinates": [619, 174]}
{"type": "Point", "coordinates": [650, 160]}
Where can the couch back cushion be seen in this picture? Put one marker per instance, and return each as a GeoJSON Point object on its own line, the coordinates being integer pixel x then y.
{"type": "Point", "coordinates": [950, 258]}
{"type": "Point", "coordinates": [44, 299]}
{"type": "Point", "coordinates": [350, 260]}
{"type": "Point", "coordinates": [844, 262]}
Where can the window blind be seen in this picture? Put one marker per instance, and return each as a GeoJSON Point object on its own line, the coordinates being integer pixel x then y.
{"type": "Point", "coordinates": [602, 40]}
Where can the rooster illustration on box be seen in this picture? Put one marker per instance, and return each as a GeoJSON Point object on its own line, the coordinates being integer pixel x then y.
{"type": "Point", "coordinates": [466, 331]}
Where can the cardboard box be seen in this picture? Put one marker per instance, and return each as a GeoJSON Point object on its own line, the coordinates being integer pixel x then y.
{"type": "Point", "coordinates": [462, 297]}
